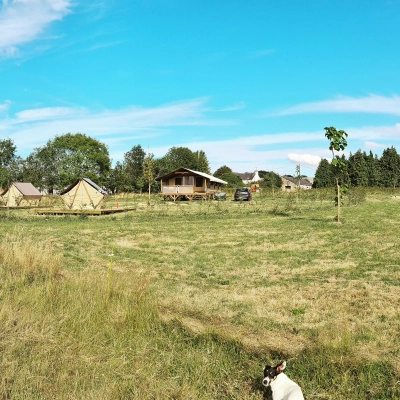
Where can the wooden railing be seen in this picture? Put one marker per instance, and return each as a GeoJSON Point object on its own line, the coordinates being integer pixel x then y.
{"type": "Point", "coordinates": [182, 189]}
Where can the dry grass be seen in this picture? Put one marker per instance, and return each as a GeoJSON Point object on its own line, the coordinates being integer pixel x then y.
{"type": "Point", "coordinates": [280, 283]}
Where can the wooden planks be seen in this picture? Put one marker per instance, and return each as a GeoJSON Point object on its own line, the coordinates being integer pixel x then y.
{"type": "Point", "coordinates": [104, 211]}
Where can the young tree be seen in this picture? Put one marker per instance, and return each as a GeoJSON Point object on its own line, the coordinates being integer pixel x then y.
{"type": "Point", "coordinates": [270, 180]}
{"type": "Point", "coordinates": [149, 167]}
{"type": "Point", "coordinates": [337, 143]}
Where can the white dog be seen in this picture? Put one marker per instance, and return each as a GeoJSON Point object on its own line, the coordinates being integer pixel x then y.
{"type": "Point", "coordinates": [283, 388]}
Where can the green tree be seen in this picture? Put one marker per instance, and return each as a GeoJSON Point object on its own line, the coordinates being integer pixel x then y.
{"type": "Point", "coordinates": [270, 180]}
{"type": "Point", "coordinates": [7, 161]}
{"type": "Point", "coordinates": [337, 142]}
{"type": "Point", "coordinates": [226, 174]}
{"type": "Point", "coordinates": [262, 173]}
{"type": "Point", "coordinates": [221, 171]}
{"type": "Point", "coordinates": [67, 158]}
{"type": "Point", "coordinates": [373, 169]}
{"type": "Point", "coordinates": [42, 168]}
{"type": "Point", "coordinates": [202, 164]}
{"type": "Point", "coordinates": [118, 181]}
{"type": "Point", "coordinates": [323, 175]}
{"type": "Point", "coordinates": [357, 169]}
{"type": "Point", "coordinates": [177, 157]}
{"type": "Point", "coordinates": [133, 165]}
{"type": "Point", "coordinates": [390, 167]}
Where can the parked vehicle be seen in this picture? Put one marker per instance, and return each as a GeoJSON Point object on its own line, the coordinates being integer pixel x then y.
{"type": "Point", "coordinates": [243, 193]}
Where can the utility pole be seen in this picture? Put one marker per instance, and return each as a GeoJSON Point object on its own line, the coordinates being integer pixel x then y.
{"type": "Point", "coordinates": [298, 179]}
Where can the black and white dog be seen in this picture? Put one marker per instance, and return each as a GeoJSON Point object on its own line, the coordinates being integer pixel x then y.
{"type": "Point", "coordinates": [283, 388]}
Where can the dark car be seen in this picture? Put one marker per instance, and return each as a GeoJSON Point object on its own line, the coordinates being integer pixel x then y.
{"type": "Point", "coordinates": [243, 194]}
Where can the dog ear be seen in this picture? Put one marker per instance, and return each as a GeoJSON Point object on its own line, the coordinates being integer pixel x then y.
{"type": "Point", "coordinates": [281, 367]}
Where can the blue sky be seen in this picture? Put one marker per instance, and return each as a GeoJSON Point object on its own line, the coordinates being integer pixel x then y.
{"type": "Point", "coordinates": [253, 83]}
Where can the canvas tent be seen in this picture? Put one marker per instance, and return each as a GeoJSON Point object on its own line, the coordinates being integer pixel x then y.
{"type": "Point", "coordinates": [21, 194]}
{"type": "Point", "coordinates": [83, 194]}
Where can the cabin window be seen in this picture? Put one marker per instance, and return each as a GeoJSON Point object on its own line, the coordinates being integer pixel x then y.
{"type": "Point", "coordinates": [199, 181]}
{"type": "Point", "coordinates": [178, 181]}
{"type": "Point", "coordinates": [288, 187]}
{"type": "Point", "coordinates": [188, 180]}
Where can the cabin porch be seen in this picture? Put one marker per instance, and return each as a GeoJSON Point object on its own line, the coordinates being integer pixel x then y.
{"type": "Point", "coordinates": [186, 192]}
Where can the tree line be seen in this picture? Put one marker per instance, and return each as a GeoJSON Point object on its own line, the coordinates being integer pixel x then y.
{"type": "Point", "coordinates": [68, 157]}
{"type": "Point", "coordinates": [269, 179]}
{"type": "Point", "coordinates": [362, 169]}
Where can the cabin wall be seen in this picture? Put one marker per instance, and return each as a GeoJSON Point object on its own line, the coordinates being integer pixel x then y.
{"type": "Point", "coordinates": [214, 186]}
{"type": "Point", "coordinates": [189, 185]}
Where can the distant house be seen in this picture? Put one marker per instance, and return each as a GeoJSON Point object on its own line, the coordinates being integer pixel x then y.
{"type": "Point", "coordinates": [248, 177]}
{"type": "Point", "coordinates": [292, 183]}
{"type": "Point", "coordinates": [21, 194]}
{"type": "Point", "coordinates": [83, 194]}
{"type": "Point", "coordinates": [185, 183]}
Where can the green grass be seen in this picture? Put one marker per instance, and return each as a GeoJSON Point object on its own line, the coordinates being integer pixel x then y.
{"type": "Point", "coordinates": [203, 294]}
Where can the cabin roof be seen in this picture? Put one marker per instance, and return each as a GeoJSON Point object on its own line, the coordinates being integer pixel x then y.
{"type": "Point", "coordinates": [183, 170]}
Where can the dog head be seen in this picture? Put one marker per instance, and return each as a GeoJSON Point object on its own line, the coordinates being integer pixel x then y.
{"type": "Point", "coordinates": [271, 373]}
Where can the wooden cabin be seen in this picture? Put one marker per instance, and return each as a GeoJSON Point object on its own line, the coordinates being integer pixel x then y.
{"type": "Point", "coordinates": [187, 184]}
{"type": "Point", "coordinates": [21, 194]}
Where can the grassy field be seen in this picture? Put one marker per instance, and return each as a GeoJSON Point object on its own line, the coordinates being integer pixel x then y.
{"type": "Point", "coordinates": [199, 296]}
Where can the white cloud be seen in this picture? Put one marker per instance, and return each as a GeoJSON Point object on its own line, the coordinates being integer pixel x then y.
{"type": "Point", "coordinates": [373, 145]}
{"type": "Point", "coordinates": [372, 104]}
{"type": "Point", "coordinates": [4, 107]}
{"type": "Point", "coordinates": [234, 107]}
{"type": "Point", "coordinates": [307, 159]}
{"type": "Point", "coordinates": [261, 53]}
{"type": "Point", "coordinates": [373, 133]}
{"type": "Point", "coordinates": [44, 114]}
{"type": "Point", "coordinates": [268, 152]}
{"type": "Point", "coordinates": [100, 46]}
{"type": "Point", "coordinates": [31, 128]}
{"type": "Point", "coordinates": [159, 128]}
{"type": "Point", "coordinates": [22, 21]}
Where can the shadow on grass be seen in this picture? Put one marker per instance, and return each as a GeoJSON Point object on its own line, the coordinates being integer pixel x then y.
{"type": "Point", "coordinates": [257, 387]}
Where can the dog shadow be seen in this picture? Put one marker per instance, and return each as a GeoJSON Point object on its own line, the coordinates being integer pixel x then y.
{"type": "Point", "coordinates": [258, 387]}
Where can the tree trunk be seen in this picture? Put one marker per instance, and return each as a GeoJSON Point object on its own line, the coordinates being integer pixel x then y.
{"type": "Point", "coordinates": [338, 200]}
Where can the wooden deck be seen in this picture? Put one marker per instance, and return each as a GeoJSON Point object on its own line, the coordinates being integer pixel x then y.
{"type": "Point", "coordinates": [103, 211]}
{"type": "Point", "coordinates": [193, 196]}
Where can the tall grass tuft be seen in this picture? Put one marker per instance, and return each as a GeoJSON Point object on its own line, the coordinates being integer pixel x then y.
{"type": "Point", "coordinates": [24, 260]}
{"type": "Point", "coordinates": [60, 339]}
